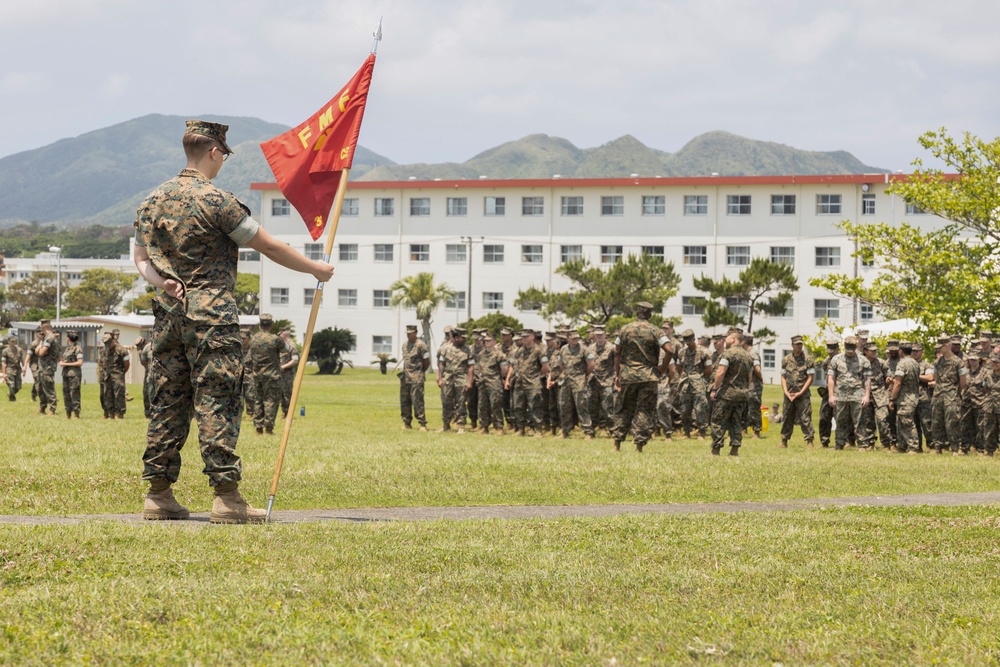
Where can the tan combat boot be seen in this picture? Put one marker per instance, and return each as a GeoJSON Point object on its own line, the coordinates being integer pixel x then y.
{"type": "Point", "coordinates": [161, 504]}
{"type": "Point", "coordinates": [230, 507]}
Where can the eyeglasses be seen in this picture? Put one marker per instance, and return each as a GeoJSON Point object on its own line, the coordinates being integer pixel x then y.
{"type": "Point", "coordinates": [225, 156]}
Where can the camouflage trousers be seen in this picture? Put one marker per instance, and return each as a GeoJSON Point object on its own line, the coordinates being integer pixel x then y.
{"type": "Point", "coordinates": [874, 420]}
{"type": "Point", "coordinates": [972, 435]}
{"type": "Point", "coordinates": [145, 394]}
{"type": "Point", "coordinates": [637, 412]}
{"type": "Point", "coordinates": [508, 417]}
{"type": "Point", "coordinates": [453, 403]}
{"type": "Point", "coordinates": [575, 397]}
{"type": "Point", "coordinates": [34, 385]}
{"type": "Point", "coordinates": [825, 419]}
{"type": "Point", "coordinates": [694, 407]}
{"type": "Point", "coordinates": [71, 393]}
{"type": "Point", "coordinates": [113, 395]}
{"type": "Point", "coordinates": [906, 428]}
{"type": "Point", "coordinates": [797, 412]}
{"type": "Point", "coordinates": [602, 402]}
{"type": "Point", "coordinates": [665, 399]}
{"type": "Point", "coordinates": [526, 407]}
{"type": "Point", "coordinates": [551, 398]}
{"type": "Point", "coordinates": [411, 402]}
{"type": "Point", "coordinates": [472, 404]}
{"type": "Point", "coordinates": [13, 385]}
{"type": "Point", "coordinates": [946, 423]}
{"type": "Point", "coordinates": [922, 421]}
{"type": "Point", "coordinates": [47, 390]}
{"type": "Point", "coordinates": [989, 427]}
{"type": "Point", "coordinates": [196, 371]}
{"type": "Point", "coordinates": [491, 408]}
{"type": "Point", "coordinates": [727, 417]}
{"type": "Point", "coordinates": [753, 420]}
{"type": "Point", "coordinates": [249, 394]}
{"type": "Point", "coordinates": [287, 382]}
{"type": "Point", "coordinates": [268, 391]}
{"type": "Point", "coordinates": [848, 416]}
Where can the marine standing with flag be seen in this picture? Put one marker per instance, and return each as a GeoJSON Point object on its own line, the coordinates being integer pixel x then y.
{"type": "Point", "coordinates": [187, 240]}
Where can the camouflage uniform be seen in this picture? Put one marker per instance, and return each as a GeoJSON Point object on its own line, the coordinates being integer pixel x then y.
{"type": "Point", "coordinates": [13, 362]}
{"type": "Point", "coordinates": [71, 376]}
{"type": "Point", "coordinates": [922, 418]}
{"type": "Point", "coordinates": [946, 405]}
{"type": "Point", "coordinates": [602, 386]}
{"type": "Point", "coordinates": [731, 399]}
{"type": "Point", "coordinates": [146, 361]}
{"type": "Point", "coordinates": [973, 403]}
{"type": "Point", "coordinates": [249, 391]}
{"type": "Point", "coordinates": [526, 384]}
{"type": "Point", "coordinates": [891, 364]}
{"type": "Point", "coordinates": [875, 416]}
{"type": "Point", "coordinates": [192, 232]}
{"type": "Point", "coordinates": [693, 399]}
{"type": "Point", "coordinates": [507, 350]}
{"type": "Point", "coordinates": [102, 361]}
{"type": "Point", "coordinates": [550, 395]}
{"type": "Point", "coordinates": [825, 411]}
{"type": "Point", "coordinates": [908, 370]}
{"type": "Point", "coordinates": [33, 367]}
{"type": "Point", "coordinates": [265, 354]}
{"type": "Point", "coordinates": [47, 366]}
{"type": "Point", "coordinates": [491, 365]}
{"type": "Point", "coordinates": [113, 371]}
{"type": "Point", "coordinates": [456, 361]}
{"type": "Point", "coordinates": [754, 420]}
{"type": "Point", "coordinates": [850, 374]}
{"type": "Point", "coordinates": [287, 375]}
{"type": "Point", "coordinates": [796, 370]}
{"type": "Point", "coordinates": [639, 343]}
{"type": "Point", "coordinates": [991, 410]}
{"type": "Point", "coordinates": [411, 382]}
{"type": "Point", "coordinates": [574, 387]}
{"type": "Point", "coordinates": [666, 398]}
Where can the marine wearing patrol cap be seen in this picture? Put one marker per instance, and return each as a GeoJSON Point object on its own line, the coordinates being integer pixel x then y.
{"type": "Point", "coordinates": [796, 339]}
{"type": "Point", "coordinates": [216, 131]}
{"type": "Point", "coordinates": [644, 305]}
{"type": "Point", "coordinates": [411, 327]}
{"type": "Point", "coordinates": [506, 331]}
{"type": "Point", "coordinates": [266, 318]}
{"type": "Point", "coordinates": [458, 331]}
{"type": "Point", "coordinates": [687, 334]}
{"type": "Point", "coordinates": [833, 342]}
{"type": "Point", "coordinates": [851, 342]}
{"type": "Point", "coordinates": [892, 345]}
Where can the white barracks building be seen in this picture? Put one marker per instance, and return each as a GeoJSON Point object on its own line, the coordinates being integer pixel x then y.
{"type": "Point", "coordinates": [487, 239]}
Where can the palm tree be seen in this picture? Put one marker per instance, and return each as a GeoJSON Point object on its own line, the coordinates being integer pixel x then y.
{"type": "Point", "coordinates": [420, 293]}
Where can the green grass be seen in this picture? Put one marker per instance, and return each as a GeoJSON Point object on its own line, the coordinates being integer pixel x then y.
{"type": "Point", "coordinates": [871, 586]}
{"type": "Point", "coordinates": [349, 451]}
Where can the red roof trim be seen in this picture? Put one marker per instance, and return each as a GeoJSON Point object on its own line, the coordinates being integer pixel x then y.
{"type": "Point", "coordinates": [644, 182]}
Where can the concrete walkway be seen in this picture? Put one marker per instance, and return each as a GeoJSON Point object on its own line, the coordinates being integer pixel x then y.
{"type": "Point", "coordinates": [552, 511]}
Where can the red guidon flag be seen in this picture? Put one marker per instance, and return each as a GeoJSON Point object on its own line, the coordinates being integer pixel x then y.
{"type": "Point", "coordinates": [308, 161]}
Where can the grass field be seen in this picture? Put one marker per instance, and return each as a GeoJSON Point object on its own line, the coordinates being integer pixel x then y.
{"type": "Point", "coordinates": [847, 586]}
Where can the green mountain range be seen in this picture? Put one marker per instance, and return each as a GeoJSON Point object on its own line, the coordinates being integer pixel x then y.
{"type": "Point", "coordinates": [102, 176]}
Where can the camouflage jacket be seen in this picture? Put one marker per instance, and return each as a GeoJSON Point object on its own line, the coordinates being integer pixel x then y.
{"type": "Point", "coordinates": [640, 343]}
{"type": "Point", "coordinates": [50, 362]}
{"type": "Point", "coordinates": [796, 370]}
{"type": "Point", "coordinates": [604, 364]}
{"type": "Point", "coordinates": [414, 355]}
{"type": "Point", "coordinates": [491, 367]}
{"type": "Point", "coordinates": [908, 370]}
{"type": "Point", "coordinates": [574, 365]}
{"type": "Point", "coordinates": [849, 376]}
{"type": "Point", "coordinates": [72, 353]}
{"type": "Point", "coordinates": [13, 359]}
{"type": "Point", "coordinates": [527, 366]}
{"type": "Point", "coordinates": [455, 363]}
{"type": "Point", "coordinates": [947, 374]}
{"type": "Point", "coordinates": [114, 362]}
{"type": "Point", "coordinates": [265, 354]}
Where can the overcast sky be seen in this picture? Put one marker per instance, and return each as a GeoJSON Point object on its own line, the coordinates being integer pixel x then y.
{"type": "Point", "coordinates": [456, 77]}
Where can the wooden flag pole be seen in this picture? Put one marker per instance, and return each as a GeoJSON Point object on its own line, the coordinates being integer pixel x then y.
{"type": "Point", "coordinates": [300, 372]}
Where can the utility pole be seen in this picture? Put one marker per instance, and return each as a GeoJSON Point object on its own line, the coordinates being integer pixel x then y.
{"type": "Point", "coordinates": [468, 240]}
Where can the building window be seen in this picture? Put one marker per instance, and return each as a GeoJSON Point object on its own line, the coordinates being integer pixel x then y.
{"type": "Point", "coordinates": [867, 262]}
{"type": "Point", "coordinates": [455, 252]}
{"type": "Point", "coordinates": [570, 253]}
{"type": "Point", "coordinates": [308, 294]}
{"type": "Point", "coordinates": [384, 205]}
{"type": "Point", "coordinates": [381, 344]}
{"type": "Point", "coordinates": [654, 205]}
{"type": "Point", "coordinates": [737, 306]}
{"type": "Point", "coordinates": [530, 307]}
{"type": "Point", "coordinates": [695, 204]}
{"type": "Point", "coordinates": [279, 296]}
{"type": "Point", "coordinates": [655, 251]}
{"type": "Point", "coordinates": [690, 307]}
{"type": "Point", "coordinates": [789, 309]}
{"type": "Point", "coordinates": [494, 205]}
{"type": "Point", "coordinates": [280, 207]}
{"type": "Point", "coordinates": [782, 204]}
{"type": "Point", "coordinates": [314, 251]}
{"type": "Point", "coordinates": [611, 254]}
{"type": "Point", "coordinates": [420, 252]}
{"type": "Point", "coordinates": [867, 204]}
{"type": "Point", "coordinates": [383, 252]}
{"type": "Point", "coordinates": [913, 209]}
{"type": "Point", "coordinates": [532, 205]}
{"type": "Point", "coordinates": [531, 254]}
{"type": "Point", "coordinates": [768, 360]}
{"type": "Point", "coordinates": [783, 254]}
{"type": "Point", "coordinates": [867, 313]}
{"type": "Point", "coordinates": [348, 252]}
{"type": "Point", "coordinates": [457, 206]}
{"type": "Point", "coordinates": [492, 300]}
{"type": "Point", "coordinates": [420, 206]}
{"type": "Point", "coordinates": [456, 302]}
{"type": "Point", "coordinates": [347, 297]}
{"type": "Point", "coordinates": [827, 256]}
{"type": "Point", "coordinates": [572, 205]}
{"type": "Point", "coordinates": [738, 255]}
{"type": "Point", "coordinates": [492, 254]}
{"type": "Point", "coordinates": [827, 204]}
{"type": "Point", "coordinates": [350, 206]}
{"type": "Point", "coordinates": [696, 255]}
{"type": "Point", "coordinates": [612, 205]}
{"type": "Point", "coordinates": [381, 298]}
{"type": "Point", "coordinates": [826, 308]}
{"type": "Point", "coordinates": [737, 204]}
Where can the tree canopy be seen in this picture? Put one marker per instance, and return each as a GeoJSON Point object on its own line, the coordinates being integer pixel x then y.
{"type": "Point", "coordinates": [762, 278]}
{"type": "Point", "coordinates": [598, 294]}
{"type": "Point", "coordinates": [100, 292]}
{"type": "Point", "coordinates": [423, 295]}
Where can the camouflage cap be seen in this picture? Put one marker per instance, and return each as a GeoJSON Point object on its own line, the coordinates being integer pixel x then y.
{"type": "Point", "coordinates": [835, 342]}
{"type": "Point", "coordinates": [861, 333]}
{"type": "Point", "coordinates": [645, 305]}
{"type": "Point", "coordinates": [667, 324]}
{"type": "Point", "coordinates": [796, 339]}
{"type": "Point", "coordinates": [266, 318]}
{"type": "Point", "coordinates": [943, 339]}
{"type": "Point", "coordinates": [734, 330]}
{"type": "Point", "coordinates": [917, 347]}
{"type": "Point", "coordinates": [458, 331]}
{"type": "Point", "coordinates": [598, 329]}
{"type": "Point", "coordinates": [986, 335]}
{"type": "Point", "coordinates": [74, 332]}
{"type": "Point", "coordinates": [687, 333]}
{"type": "Point", "coordinates": [718, 336]}
{"type": "Point", "coordinates": [215, 131]}
{"type": "Point", "coordinates": [704, 338]}
{"type": "Point", "coordinates": [892, 345]}
{"type": "Point", "coordinates": [43, 322]}
{"type": "Point", "coordinates": [872, 347]}
{"type": "Point", "coordinates": [905, 345]}
{"type": "Point", "coordinates": [550, 335]}
{"type": "Point", "coordinates": [572, 333]}
{"type": "Point", "coordinates": [116, 332]}
{"type": "Point", "coordinates": [411, 327]}
{"type": "Point", "coordinates": [956, 339]}
{"type": "Point", "coordinates": [480, 330]}
{"type": "Point", "coordinates": [506, 331]}
{"type": "Point", "coordinates": [526, 333]}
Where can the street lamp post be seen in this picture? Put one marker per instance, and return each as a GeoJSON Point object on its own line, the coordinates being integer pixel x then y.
{"type": "Point", "coordinates": [58, 251]}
